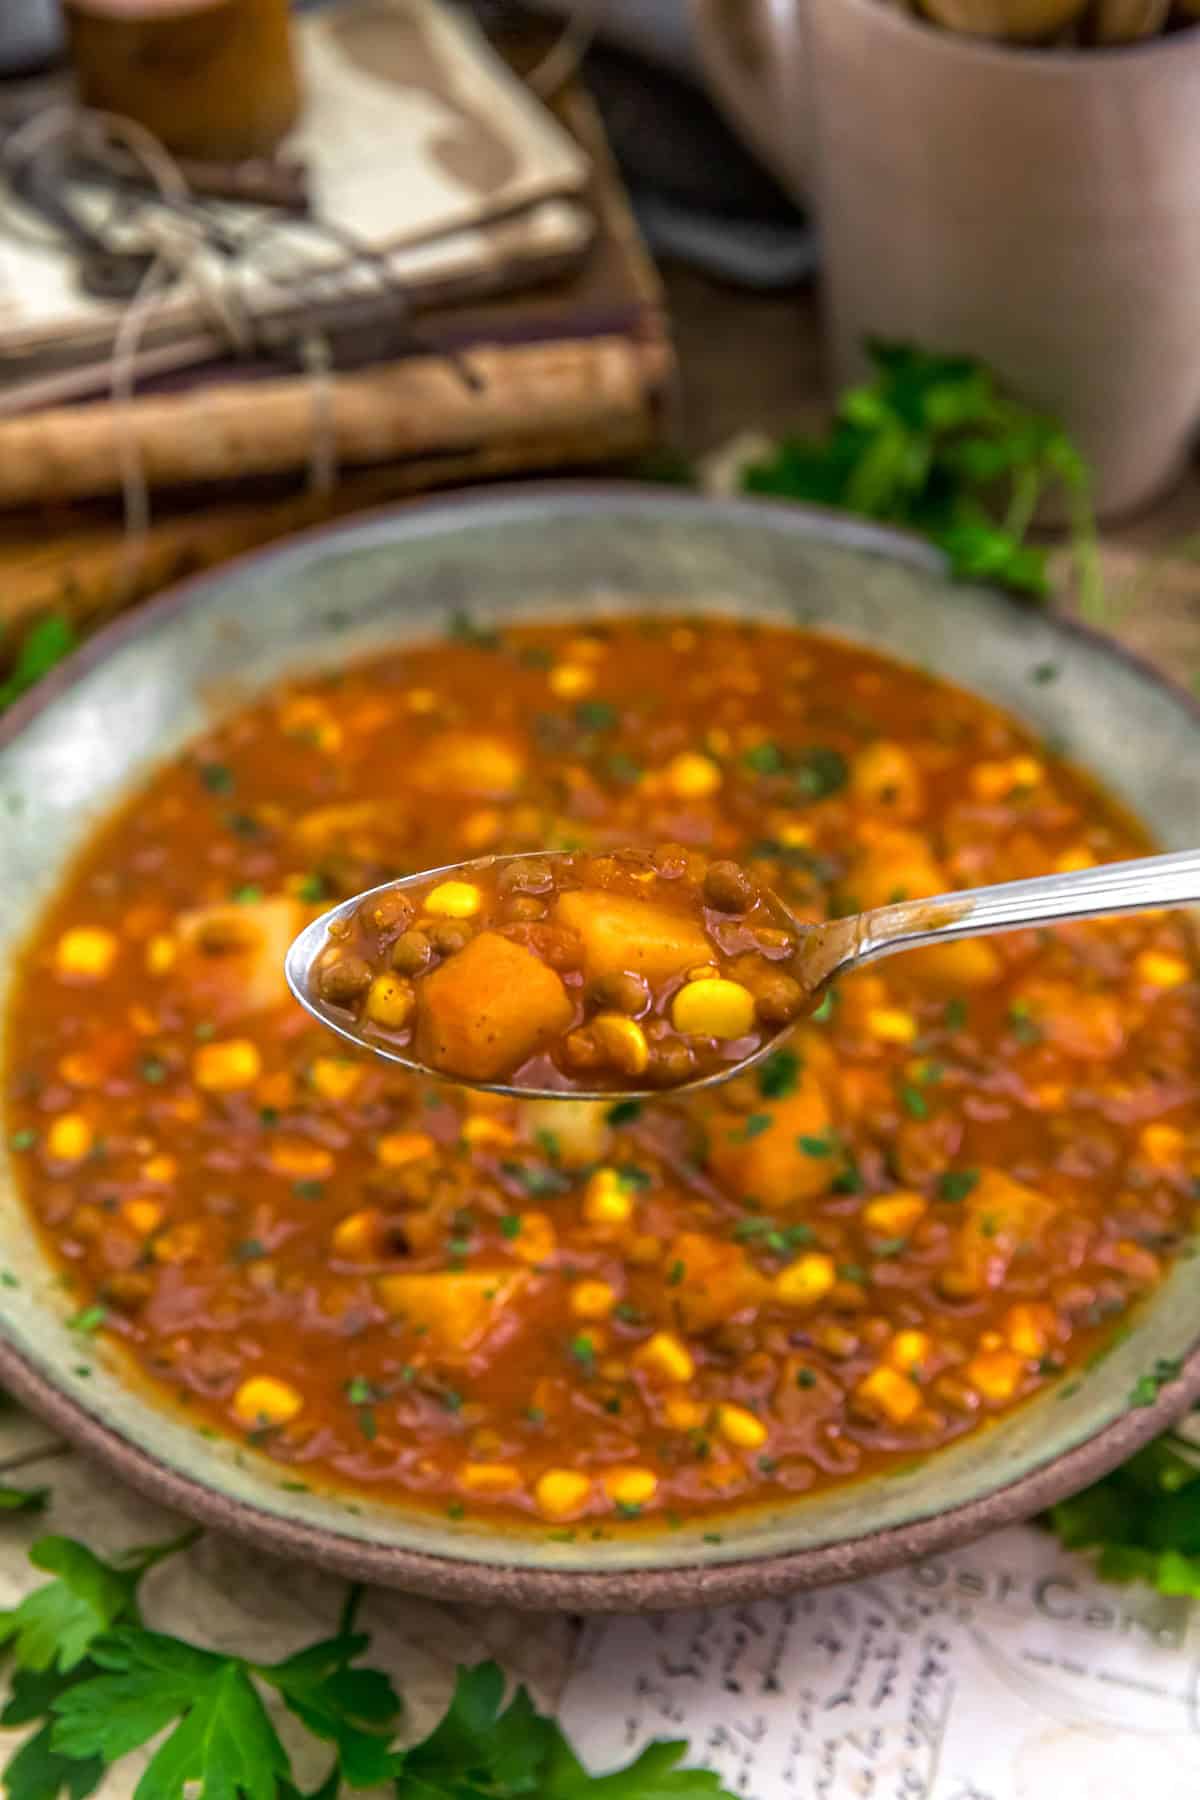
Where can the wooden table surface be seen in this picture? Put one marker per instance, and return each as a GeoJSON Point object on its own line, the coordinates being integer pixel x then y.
{"type": "Point", "coordinates": [747, 362]}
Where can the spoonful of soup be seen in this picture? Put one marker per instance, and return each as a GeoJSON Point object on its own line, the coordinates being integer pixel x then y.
{"type": "Point", "coordinates": [596, 974]}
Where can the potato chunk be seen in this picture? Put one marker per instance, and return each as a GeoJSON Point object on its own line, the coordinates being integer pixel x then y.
{"type": "Point", "coordinates": [487, 1008]}
{"type": "Point", "coordinates": [457, 1308]}
{"type": "Point", "coordinates": [468, 762]}
{"type": "Point", "coordinates": [793, 1159]}
{"type": "Point", "coordinates": [711, 1280]}
{"type": "Point", "coordinates": [1001, 1217]}
{"type": "Point", "coordinates": [230, 962]}
{"type": "Point", "coordinates": [631, 936]}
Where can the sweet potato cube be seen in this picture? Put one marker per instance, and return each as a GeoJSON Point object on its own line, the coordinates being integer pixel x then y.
{"type": "Point", "coordinates": [456, 1308]}
{"type": "Point", "coordinates": [487, 1008]}
{"type": "Point", "coordinates": [794, 1158]}
{"type": "Point", "coordinates": [635, 936]}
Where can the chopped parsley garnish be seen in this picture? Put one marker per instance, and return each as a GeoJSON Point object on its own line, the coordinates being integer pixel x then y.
{"type": "Point", "coordinates": [805, 1378]}
{"type": "Point", "coordinates": [624, 1112]}
{"type": "Point", "coordinates": [510, 1225]}
{"type": "Point", "coordinates": [24, 1139]}
{"type": "Point", "coordinates": [676, 1273]}
{"type": "Point", "coordinates": [308, 1190]}
{"type": "Point", "coordinates": [816, 1146]}
{"type": "Point", "coordinates": [153, 1070]}
{"type": "Point", "coordinates": [583, 1350]}
{"type": "Point", "coordinates": [217, 778]}
{"type": "Point", "coordinates": [955, 1015]}
{"type": "Point", "coordinates": [88, 1319]}
{"type": "Point", "coordinates": [249, 1250]}
{"type": "Point", "coordinates": [778, 1075]}
{"type": "Point", "coordinates": [956, 1184]}
{"type": "Point", "coordinates": [596, 715]}
{"type": "Point", "coordinates": [752, 1126]}
{"type": "Point", "coordinates": [249, 894]}
{"type": "Point", "coordinates": [914, 1102]}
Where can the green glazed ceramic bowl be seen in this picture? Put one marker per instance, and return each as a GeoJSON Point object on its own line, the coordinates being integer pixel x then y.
{"type": "Point", "coordinates": [142, 688]}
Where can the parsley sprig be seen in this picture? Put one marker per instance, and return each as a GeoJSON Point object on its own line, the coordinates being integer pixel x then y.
{"type": "Point", "coordinates": [931, 442]}
{"type": "Point", "coordinates": [96, 1684]}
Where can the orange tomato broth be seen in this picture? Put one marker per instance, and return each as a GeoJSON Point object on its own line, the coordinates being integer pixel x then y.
{"type": "Point", "coordinates": [948, 1189]}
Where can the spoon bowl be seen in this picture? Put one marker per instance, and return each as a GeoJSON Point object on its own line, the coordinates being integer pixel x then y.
{"type": "Point", "coordinates": [822, 952]}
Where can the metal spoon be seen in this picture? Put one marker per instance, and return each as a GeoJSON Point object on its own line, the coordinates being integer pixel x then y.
{"type": "Point", "coordinates": [825, 951]}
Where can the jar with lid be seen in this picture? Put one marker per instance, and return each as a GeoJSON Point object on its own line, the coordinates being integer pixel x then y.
{"type": "Point", "coordinates": [212, 79]}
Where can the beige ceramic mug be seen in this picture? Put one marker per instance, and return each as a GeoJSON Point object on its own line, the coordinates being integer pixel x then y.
{"type": "Point", "coordinates": [1038, 208]}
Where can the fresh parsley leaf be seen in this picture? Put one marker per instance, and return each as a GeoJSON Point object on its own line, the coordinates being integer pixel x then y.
{"type": "Point", "coordinates": [15, 1499]}
{"type": "Point", "coordinates": [1143, 1520]}
{"type": "Point", "coordinates": [914, 1102]}
{"type": "Point", "coordinates": [931, 442]}
{"type": "Point", "coordinates": [222, 1739]}
{"type": "Point", "coordinates": [595, 715]}
{"type": "Point", "coordinates": [43, 645]}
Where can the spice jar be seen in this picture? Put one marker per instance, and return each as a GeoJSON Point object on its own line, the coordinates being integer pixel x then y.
{"type": "Point", "coordinates": [212, 79]}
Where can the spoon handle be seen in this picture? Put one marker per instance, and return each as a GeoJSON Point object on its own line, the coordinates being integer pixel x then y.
{"type": "Point", "coordinates": [1151, 881]}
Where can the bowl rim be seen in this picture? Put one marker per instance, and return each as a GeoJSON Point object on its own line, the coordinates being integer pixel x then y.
{"type": "Point", "coordinates": [443, 1576]}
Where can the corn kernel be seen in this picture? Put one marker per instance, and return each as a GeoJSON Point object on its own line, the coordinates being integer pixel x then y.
{"type": "Point", "coordinates": [453, 900]}
{"type": "Point", "coordinates": [226, 1066]}
{"type": "Point", "coordinates": [592, 1299]}
{"type": "Point", "coordinates": [396, 1148]}
{"type": "Point", "coordinates": [894, 1215]}
{"type": "Point", "coordinates": [300, 1160]}
{"type": "Point", "coordinates": [806, 1281]}
{"type": "Point", "coordinates": [606, 1200]}
{"type": "Point", "coordinates": [489, 1478]}
{"type": "Point", "coordinates": [1162, 1145]}
{"type": "Point", "coordinates": [335, 1077]}
{"type": "Point", "coordinates": [713, 1007]}
{"type": "Point", "coordinates": [69, 1138]}
{"type": "Point", "coordinates": [85, 953]}
{"type": "Point", "coordinates": [1158, 969]}
{"type": "Point", "coordinates": [623, 1042]}
{"type": "Point", "coordinates": [682, 1414]}
{"type": "Point", "coordinates": [1071, 861]}
{"type": "Point", "coordinates": [739, 1426]}
{"type": "Point", "coordinates": [909, 1350]}
{"type": "Point", "coordinates": [996, 780]}
{"type": "Point", "coordinates": [537, 1239]}
{"type": "Point", "coordinates": [161, 952]}
{"type": "Point", "coordinates": [667, 1357]}
{"type": "Point", "coordinates": [262, 1400]}
{"type": "Point", "coordinates": [691, 776]}
{"type": "Point", "coordinates": [308, 717]}
{"type": "Point", "coordinates": [356, 1237]}
{"type": "Point", "coordinates": [561, 1493]}
{"type": "Point", "coordinates": [1029, 1329]}
{"type": "Point", "coordinates": [160, 1169]}
{"type": "Point", "coordinates": [889, 1392]}
{"type": "Point", "coordinates": [995, 1374]}
{"type": "Point", "coordinates": [390, 1001]}
{"type": "Point", "coordinates": [492, 1133]}
{"type": "Point", "coordinates": [630, 1487]}
{"type": "Point", "coordinates": [891, 1025]}
{"type": "Point", "coordinates": [569, 680]}
{"type": "Point", "coordinates": [142, 1216]}
{"type": "Point", "coordinates": [793, 835]}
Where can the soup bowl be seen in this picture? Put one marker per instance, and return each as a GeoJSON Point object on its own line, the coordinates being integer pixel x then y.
{"type": "Point", "coordinates": [136, 694]}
